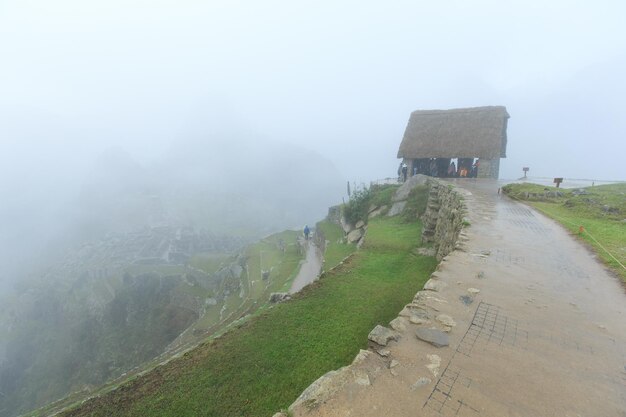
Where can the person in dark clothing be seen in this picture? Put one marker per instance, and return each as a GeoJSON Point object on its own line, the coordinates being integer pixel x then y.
{"type": "Point", "coordinates": [405, 168]}
{"type": "Point", "coordinates": [307, 231]}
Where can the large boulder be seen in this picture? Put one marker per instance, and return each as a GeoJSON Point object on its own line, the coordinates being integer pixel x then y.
{"type": "Point", "coordinates": [396, 209]}
{"type": "Point", "coordinates": [355, 235]}
{"type": "Point", "coordinates": [403, 192]}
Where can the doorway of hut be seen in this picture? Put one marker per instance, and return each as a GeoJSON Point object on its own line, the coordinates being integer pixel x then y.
{"type": "Point", "coordinates": [445, 167]}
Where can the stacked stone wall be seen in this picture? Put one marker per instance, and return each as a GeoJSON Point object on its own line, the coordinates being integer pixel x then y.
{"type": "Point", "coordinates": [444, 216]}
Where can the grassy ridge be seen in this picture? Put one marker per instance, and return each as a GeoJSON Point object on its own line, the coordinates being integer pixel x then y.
{"type": "Point", "coordinates": [601, 210]}
{"type": "Point", "coordinates": [268, 361]}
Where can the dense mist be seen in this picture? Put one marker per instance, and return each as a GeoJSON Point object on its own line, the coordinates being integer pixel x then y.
{"type": "Point", "coordinates": [129, 129]}
{"type": "Point", "coordinates": [227, 185]}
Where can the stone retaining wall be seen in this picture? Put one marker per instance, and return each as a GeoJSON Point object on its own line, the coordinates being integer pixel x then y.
{"type": "Point", "coordinates": [444, 217]}
{"type": "Point", "coordinates": [443, 221]}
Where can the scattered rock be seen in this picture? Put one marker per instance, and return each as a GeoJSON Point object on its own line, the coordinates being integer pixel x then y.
{"type": "Point", "coordinates": [279, 297]}
{"type": "Point", "coordinates": [355, 235]}
{"type": "Point", "coordinates": [420, 383]}
{"type": "Point", "coordinates": [398, 324]}
{"type": "Point", "coordinates": [466, 299]}
{"type": "Point", "coordinates": [382, 335]}
{"type": "Point", "coordinates": [280, 414]}
{"type": "Point", "coordinates": [384, 352]}
{"type": "Point", "coordinates": [359, 224]}
{"type": "Point", "coordinates": [432, 285]}
{"type": "Point", "coordinates": [446, 320]}
{"type": "Point", "coordinates": [396, 209]}
{"type": "Point", "coordinates": [393, 363]}
{"type": "Point", "coordinates": [435, 337]}
{"type": "Point", "coordinates": [394, 372]}
{"type": "Point", "coordinates": [473, 291]}
{"type": "Point", "coordinates": [485, 252]}
{"type": "Point", "coordinates": [480, 275]}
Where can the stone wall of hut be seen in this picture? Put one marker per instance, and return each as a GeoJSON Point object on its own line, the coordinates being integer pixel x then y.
{"type": "Point", "coordinates": [489, 168]}
{"type": "Point", "coordinates": [444, 216]}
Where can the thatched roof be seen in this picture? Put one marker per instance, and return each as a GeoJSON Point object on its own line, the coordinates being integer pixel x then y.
{"type": "Point", "coordinates": [464, 133]}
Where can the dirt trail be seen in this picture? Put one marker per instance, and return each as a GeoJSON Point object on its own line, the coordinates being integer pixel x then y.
{"type": "Point", "coordinates": [310, 268]}
{"type": "Point", "coordinates": [545, 336]}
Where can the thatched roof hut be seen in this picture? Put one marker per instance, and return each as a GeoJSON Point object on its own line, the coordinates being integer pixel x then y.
{"type": "Point", "coordinates": [463, 133]}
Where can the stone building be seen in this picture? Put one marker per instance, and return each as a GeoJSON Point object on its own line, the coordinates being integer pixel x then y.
{"type": "Point", "coordinates": [470, 137]}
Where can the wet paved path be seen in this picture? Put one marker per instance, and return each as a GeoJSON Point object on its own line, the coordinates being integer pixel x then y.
{"type": "Point", "coordinates": [310, 268]}
{"type": "Point", "coordinates": [545, 336]}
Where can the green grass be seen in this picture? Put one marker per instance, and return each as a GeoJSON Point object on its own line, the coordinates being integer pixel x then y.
{"type": "Point", "coordinates": [382, 194]}
{"type": "Point", "coordinates": [337, 249]}
{"type": "Point", "coordinates": [263, 365]}
{"type": "Point", "coordinates": [416, 203]}
{"type": "Point", "coordinates": [209, 262]}
{"type": "Point", "coordinates": [601, 212]}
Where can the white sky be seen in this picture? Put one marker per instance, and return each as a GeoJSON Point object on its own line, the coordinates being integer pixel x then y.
{"type": "Point", "coordinates": [337, 77]}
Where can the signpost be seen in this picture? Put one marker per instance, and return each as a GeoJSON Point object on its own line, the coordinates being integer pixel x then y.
{"type": "Point", "coordinates": [558, 181]}
{"type": "Point", "coordinates": [525, 169]}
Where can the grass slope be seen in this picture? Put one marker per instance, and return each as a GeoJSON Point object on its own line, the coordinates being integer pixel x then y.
{"type": "Point", "coordinates": [337, 249]}
{"type": "Point", "coordinates": [263, 365]}
{"type": "Point", "coordinates": [601, 210]}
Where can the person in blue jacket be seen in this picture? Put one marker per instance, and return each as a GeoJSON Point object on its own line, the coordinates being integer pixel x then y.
{"type": "Point", "coordinates": [306, 232]}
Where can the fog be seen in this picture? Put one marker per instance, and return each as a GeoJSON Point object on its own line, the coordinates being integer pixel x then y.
{"type": "Point", "coordinates": [336, 79]}
{"type": "Point", "coordinates": [243, 118]}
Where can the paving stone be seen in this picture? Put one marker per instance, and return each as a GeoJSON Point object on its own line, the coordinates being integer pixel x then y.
{"type": "Point", "coordinates": [466, 299]}
{"type": "Point", "coordinates": [435, 337]}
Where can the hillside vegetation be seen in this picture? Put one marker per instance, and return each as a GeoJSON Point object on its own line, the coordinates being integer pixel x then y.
{"type": "Point", "coordinates": [600, 210]}
{"type": "Point", "coordinates": [158, 310]}
{"type": "Point", "coordinates": [264, 363]}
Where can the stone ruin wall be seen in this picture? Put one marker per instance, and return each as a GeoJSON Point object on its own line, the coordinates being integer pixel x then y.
{"type": "Point", "coordinates": [444, 217]}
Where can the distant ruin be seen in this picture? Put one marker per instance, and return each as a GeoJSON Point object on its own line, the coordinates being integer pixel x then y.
{"type": "Point", "coordinates": [474, 137]}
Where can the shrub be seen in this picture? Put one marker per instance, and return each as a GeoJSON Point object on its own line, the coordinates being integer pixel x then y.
{"type": "Point", "coordinates": [357, 207]}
